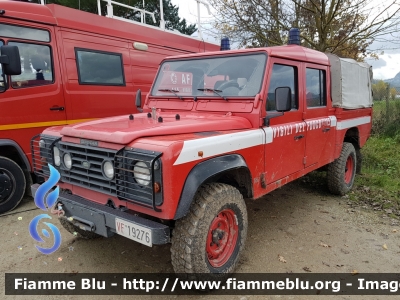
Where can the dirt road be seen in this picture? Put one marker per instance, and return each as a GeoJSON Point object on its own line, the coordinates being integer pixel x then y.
{"type": "Point", "coordinates": [312, 230]}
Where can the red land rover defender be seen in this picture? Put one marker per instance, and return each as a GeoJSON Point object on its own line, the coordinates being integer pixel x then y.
{"type": "Point", "coordinates": [218, 127]}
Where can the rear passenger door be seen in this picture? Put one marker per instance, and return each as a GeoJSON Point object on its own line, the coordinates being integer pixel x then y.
{"type": "Point", "coordinates": [317, 116]}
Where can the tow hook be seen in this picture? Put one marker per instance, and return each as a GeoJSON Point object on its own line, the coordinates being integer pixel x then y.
{"type": "Point", "coordinates": [81, 223]}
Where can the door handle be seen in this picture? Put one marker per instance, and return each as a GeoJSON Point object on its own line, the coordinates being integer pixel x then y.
{"type": "Point", "coordinates": [326, 129]}
{"type": "Point", "coordinates": [298, 137]}
{"type": "Point", "coordinates": [57, 108]}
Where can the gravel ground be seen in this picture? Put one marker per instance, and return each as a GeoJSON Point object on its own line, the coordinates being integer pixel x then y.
{"type": "Point", "coordinates": [310, 229]}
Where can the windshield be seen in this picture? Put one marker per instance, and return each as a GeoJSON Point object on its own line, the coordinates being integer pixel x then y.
{"type": "Point", "coordinates": [223, 76]}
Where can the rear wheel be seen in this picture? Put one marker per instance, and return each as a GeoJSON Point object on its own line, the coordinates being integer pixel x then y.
{"type": "Point", "coordinates": [341, 172]}
{"type": "Point", "coordinates": [211, 237]}
{"type": "Point", "coordinates": [12, 184]}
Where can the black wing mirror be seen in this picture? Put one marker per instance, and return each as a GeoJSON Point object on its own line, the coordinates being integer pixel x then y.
{"type": "Point", "coordinates": [139, 100]}
{"type": "Point", "coordinates": [10, 60]}
{"type": "Point", "coordinates": [283, 99]}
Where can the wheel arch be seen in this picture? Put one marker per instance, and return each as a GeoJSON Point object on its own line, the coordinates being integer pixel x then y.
{"type": "Point", "coordinates": [12, 150]}
{"type": "Point", "coordinates": [352, 135]}
{"type": "Point", "coordinates": [230, 169]}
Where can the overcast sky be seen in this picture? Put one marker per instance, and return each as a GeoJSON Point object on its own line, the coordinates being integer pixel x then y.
{"type": "Point", "coordinates": [386, 67]}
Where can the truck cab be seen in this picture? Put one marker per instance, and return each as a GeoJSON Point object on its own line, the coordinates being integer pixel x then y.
{"type": "Point", "coordinates": [75, 66]}
{"type": "Point", "coordinates": [217, 127]}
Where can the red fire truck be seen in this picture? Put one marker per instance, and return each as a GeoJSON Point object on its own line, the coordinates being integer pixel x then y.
{"type": "Point", "coordinates": [75, 66]}
{"type": "Point", "coordinates": [217, 128]}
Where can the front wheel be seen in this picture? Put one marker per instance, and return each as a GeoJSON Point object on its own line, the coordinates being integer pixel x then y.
{"type": "Point", "coordinates": [210, 238]}
{"type": "Point", "coordinates": [12, 184]}
{"type": "Point", "coordinates": [341, 172]}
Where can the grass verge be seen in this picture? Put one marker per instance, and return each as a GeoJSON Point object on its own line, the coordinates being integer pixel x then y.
{"type": "Point", "coordinates": [379, 183]}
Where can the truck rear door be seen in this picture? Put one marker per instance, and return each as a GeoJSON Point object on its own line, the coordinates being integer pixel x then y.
{"type": "Point", "coordinates": [98, 76]}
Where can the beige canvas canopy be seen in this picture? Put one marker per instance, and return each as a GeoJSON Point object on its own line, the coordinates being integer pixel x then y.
{"type": "Point", "coordinates": [351, 83]}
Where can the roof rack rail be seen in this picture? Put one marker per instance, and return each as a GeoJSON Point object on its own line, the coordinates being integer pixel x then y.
{"type": "Point", "coordinates": [143, 12]}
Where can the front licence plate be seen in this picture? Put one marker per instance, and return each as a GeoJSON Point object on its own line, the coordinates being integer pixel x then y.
{"type": "Point", "coordinates": [134, 232]}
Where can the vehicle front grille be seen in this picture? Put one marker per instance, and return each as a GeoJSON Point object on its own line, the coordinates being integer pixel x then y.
{"type": "Point", "coordinates": [86, 168]}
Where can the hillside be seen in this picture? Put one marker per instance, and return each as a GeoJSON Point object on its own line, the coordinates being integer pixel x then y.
{"type": "Point", "coordinates": [395, 82]}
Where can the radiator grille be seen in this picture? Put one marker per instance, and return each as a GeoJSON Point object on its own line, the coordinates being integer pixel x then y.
{"type": "Point", "coordinates": [86, 167]}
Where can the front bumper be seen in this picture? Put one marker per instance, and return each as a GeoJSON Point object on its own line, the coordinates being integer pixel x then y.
{"type": "Point", "coordinates": [100, 219]}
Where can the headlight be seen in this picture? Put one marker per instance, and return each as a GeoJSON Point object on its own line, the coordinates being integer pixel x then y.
{"type": "Point", "coordinates": [42, 144]}
{"type": "Point", "coordinates": [108, 169]}
{"type": "Point", "coordinates": [141, 173]}
{"type": "Point", "coordinates": [56, 156]}
{"type": "Point", "coordinates": [67, 160]}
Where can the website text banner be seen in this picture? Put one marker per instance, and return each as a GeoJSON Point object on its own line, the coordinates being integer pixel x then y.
{"type": "Point", "coordinates": [184, 284]}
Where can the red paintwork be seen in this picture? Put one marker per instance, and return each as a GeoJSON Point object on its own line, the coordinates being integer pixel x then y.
{"type": "Point", "coordinates": [70, 28]}
{"type": "Point", "coordinates": [220, 245]}
{"type": "Point", "coordinates": [121, 130]}
{"type": "Point", "coordinates": [271, 165]}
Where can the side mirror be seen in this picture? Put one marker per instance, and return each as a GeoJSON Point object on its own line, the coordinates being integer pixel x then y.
{"type": "Point", "coordinates": [10, 60]}
{"type": "Point", "coordinates": [139, 100]}
{"type": "Point", "coordinates": [283, 99]}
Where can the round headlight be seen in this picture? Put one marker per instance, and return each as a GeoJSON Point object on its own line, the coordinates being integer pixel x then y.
{"type": "Point", "coordinates": [42, 144]}
{"type": "Point", "coordinates": [108, 169]}
{"type": "Point", "coordinates": [56, 156]}
{"type": "Point", "coordinates": [67, 160]}
{"type": "Point", "coordinates": [141, 173]}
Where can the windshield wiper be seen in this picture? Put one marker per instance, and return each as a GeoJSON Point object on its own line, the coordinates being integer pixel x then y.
{"type": "Point", "coordinates": [171, 91]}
{"type": "Point", "coordinates": [214, 91]}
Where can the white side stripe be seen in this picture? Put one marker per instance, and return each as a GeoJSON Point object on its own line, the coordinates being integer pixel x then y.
{"type": "Point", "coordinates": [333, 121]}
{"type": "Point", "coordinates": [221, 144]}
{"type": "Point", "coordinates": [269, 135]}
{"type": "Point", "coordinates": [215, 145]}
{"type": "Point", "coordinates": [353, 122]}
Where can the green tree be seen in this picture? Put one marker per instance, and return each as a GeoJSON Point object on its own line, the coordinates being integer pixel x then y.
{"type": "Point", "coordinates": [171, 16]}
{"type": "Point", "coordinates": [344, 27]}
{"type": "Point", "coordinates": [393, 93]}
{"type": "Point", "coordinates": [380, 90]}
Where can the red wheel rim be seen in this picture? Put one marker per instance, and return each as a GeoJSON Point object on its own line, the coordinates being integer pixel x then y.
{"type": "Point", "coordinates": [349, 169]}
{"type": "Point", "coordinates": [222, 237]}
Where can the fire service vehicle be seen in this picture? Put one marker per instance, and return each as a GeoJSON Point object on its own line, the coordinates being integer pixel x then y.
{"type": "Point", "coordinates": [216, 128]}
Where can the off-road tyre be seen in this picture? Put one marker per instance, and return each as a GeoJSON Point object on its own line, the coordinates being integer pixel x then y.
{"type": "Point", "coordinates": [76, 231]}
{"type": "Point", "coordinates": [198, 244]}
{"type": "Point", "coordinates": [13, 184]}
{"type": "Point", "coordinates": [341, 172]}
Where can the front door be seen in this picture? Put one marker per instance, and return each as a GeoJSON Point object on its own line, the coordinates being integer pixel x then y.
{"type": "Point", "coordinates": [34, 99]}
{"type": "Point", "coordinates": [286, 135]}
